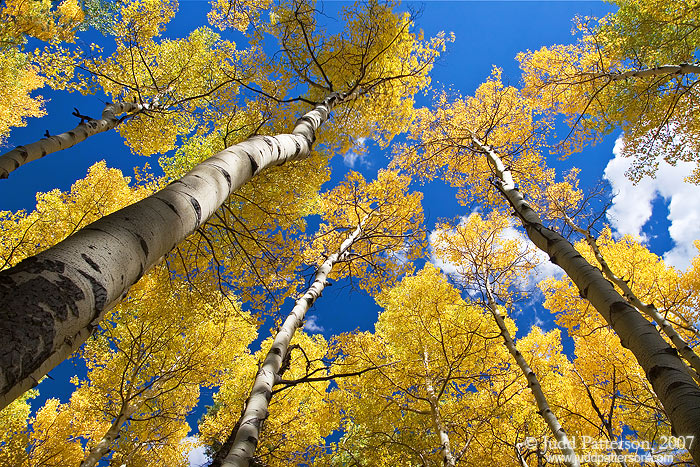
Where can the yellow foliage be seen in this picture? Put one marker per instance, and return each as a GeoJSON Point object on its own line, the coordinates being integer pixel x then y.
{"type": "Point", "coordinates": [40, 19]}
{"type": "Point", "coordinates": [654, 110]}
{"type": "Point", "coordinates": [392, 233]}
{"type": "Point", "coordinates": [376, 58]}
{"type": "Point", "coordinates": [18, 78]}
{"type": "Point", "coordinates": [484, 249]}
{"type": "Point", "coordinates": [145, 19]}
{"type": "Point", "coordinates": [156, 349]}
{"type": "Point", "coordinates": [59, 214]}
{"type": "Point", "coordinates": [236, 14]}
{"type": "Point", "coordinates": [500, 117]}
{"type": "Point", "coordinates": [426, 336]}
{"type": "Point", "coordinates": [13, 430]}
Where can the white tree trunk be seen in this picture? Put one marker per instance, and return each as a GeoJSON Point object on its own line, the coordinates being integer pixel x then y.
{"type": "Point", "coordinates": [448, 459]}
{"type": "Point", "coordinates": [255, 412]}
{"type": "Point", "coordinates": [21, 155]}
{"type": "Point", "coordinates": [104, 445]}
{"type": "Point", "coordinates": [50, 302]}
{"type": "Point", "coordinates": [533, 383]}
{"type": "Point", "coordinates": [682, 69]}
{"type": "Point", "coordinates": [664, 369]}
{"type": "Point", "coordinates": [650, 310]}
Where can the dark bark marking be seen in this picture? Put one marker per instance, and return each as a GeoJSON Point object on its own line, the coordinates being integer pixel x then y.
{"type": "Point", "coordinates": [170, 205]}
{"type": "Point", "coordinates": [23, 153]}
{"type": "Point", "coordinates": [30, 310]}
{"type": "Point", "coordinates": [297, 149]}
{"type": "Point", "coordinates": [617, 308]}
{"type": "Point", "coordinates": [92, 264]}
{"type": "Point", "coordinates": [226, 175]}
{"type": "Point", "coordinates": [144, 245]}
{"type": "Point", "coordinates": [16, 163]}
{"type": "Point", "coordinates": [656, 371]}
{"type": "Point", "coordinates": [268, 141]}
{"type": "Point", "coordinates": [98, 291]}
{"type": "Point", "coordinates": [43, 152]}
{"type": "Point", "coordinates": [197, 208]}
{"type": "Point", "coordinates": [253, 164]}
{"type": "Point", "coordinates": [677, 385]}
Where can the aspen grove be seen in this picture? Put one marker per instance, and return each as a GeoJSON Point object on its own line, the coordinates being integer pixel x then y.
{"type": "Point", "coordinates": [351, 237]}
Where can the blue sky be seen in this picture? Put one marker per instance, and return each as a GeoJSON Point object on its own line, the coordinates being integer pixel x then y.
{"type": "Point", "coordinates": [487, 33]}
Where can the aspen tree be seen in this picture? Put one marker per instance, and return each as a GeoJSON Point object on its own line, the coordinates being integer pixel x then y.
{"type": "Point", "coordinates": [161, 91]}
{"type": "Point", "coordinates": [635, 69]}
{"type": "Point", "coordinates": [20, 155]}
{"type": "Point", "coordinates": [676, 389]}
{"type": "Point", "coordinates": [382, 228]}
{"type": "Point", "coordinates": [614, 395]}
{"type": "Point", "coordinates": [491, 263]}
{"type": "Point", "coordinates": [647, 308]}
{"type": "Point", "coordinates": [67, 288]}
{"type": "Point", "coordinates": [449, 140]}
{"type": "Point", "coordinates": [422, 409]}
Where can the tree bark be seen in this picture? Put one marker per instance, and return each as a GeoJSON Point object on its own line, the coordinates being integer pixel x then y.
{"type": "Point", "coordinates": [50, 302]}
{"type": "Point", "coordinates": [103, 446]}
{"type": "Point", "coordinates": [681, 69]}
{"type": "Point", "coordinates": [648, 309]}
{"type": "Point", "coordinates": [21, 155]}
{"type": "Point", "coordinates": [448, 458]}
{"type": "Point", "coordinates": [255, 411]}
{"type": "Point", "coordinates": [545, 412]}
{"type": "Point", "coordinates": [664, 369]}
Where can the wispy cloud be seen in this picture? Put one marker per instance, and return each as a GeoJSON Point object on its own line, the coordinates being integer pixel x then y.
{"type": "Point", "coordinates": [357, 155]}
{"type": "Point", "coordinates": [632, 204]}
{"type": "Point", "coordinates": [311, 324]}
{"type": "Point", "coordinates": [196, 456]}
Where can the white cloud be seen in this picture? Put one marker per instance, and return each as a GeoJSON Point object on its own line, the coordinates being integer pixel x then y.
{"type": "Point", "coordinates": [311, 325]}
{"type": "Point", "coordinates": [632, 204]}
{"type": "Point", "coordinates": [351, 157]}
{"type": "Point", "coordinates": [197, 457]}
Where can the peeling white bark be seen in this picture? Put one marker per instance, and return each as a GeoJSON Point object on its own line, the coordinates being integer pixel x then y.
{"type": "Point", "coordinates": [255, 412]}
{"type": "Point", "coordinates": [533, 383]}
{"type": "Point", "coordinates": [21, 155]}
{"type": "Point", "coordinates": [50, 302]}
{"type": "Point", "coordinates": [664, 369]}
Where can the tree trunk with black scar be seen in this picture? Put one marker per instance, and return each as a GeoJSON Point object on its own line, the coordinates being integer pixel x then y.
{"type": "Point", "coordinates": [50, 302]}
{"type": "Point", "coordinates": [664, 369]}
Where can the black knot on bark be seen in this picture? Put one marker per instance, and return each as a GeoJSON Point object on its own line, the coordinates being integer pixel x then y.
{"type": "Point", "coordinates": [670, 350]}
{"type": "Point", "coordinates": [583, 293]}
